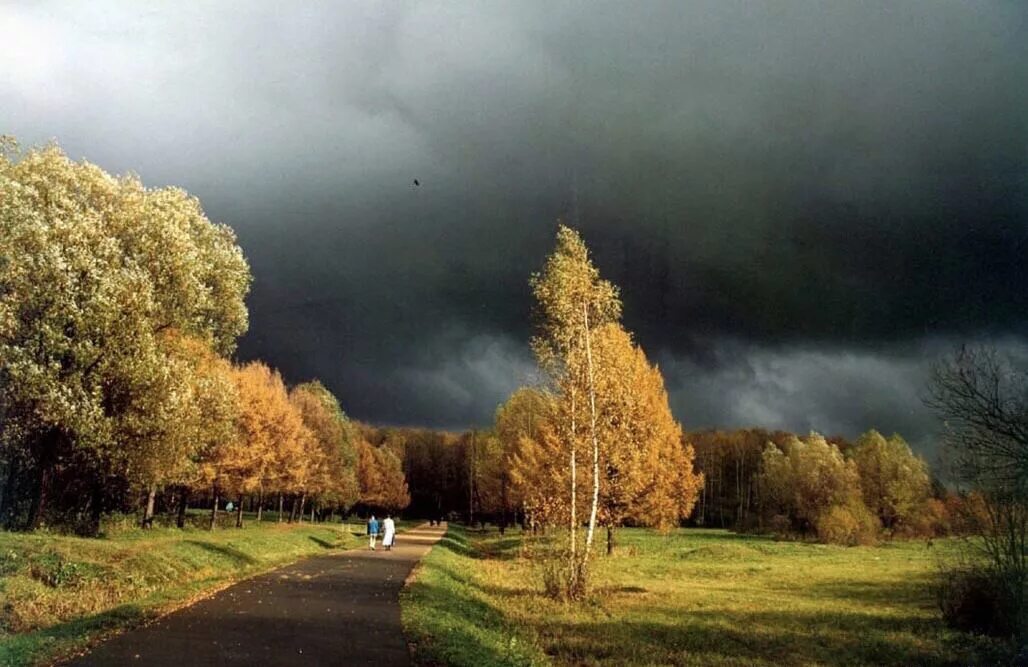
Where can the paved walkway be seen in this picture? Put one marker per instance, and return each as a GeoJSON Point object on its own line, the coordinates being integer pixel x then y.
{"type": "Point", "coordinates": [340, 609]}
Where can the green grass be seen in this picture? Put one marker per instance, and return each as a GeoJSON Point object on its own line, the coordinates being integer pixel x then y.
{"type": "Point", "coordinates": [695, 597]}
{"type": "Point", "coordinates": [58, 593]}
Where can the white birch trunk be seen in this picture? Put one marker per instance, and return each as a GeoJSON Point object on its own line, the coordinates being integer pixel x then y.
{"type": "Point", "coordinates": [574, 477]}
{"type": "Point", "coordinates": [592, 433]}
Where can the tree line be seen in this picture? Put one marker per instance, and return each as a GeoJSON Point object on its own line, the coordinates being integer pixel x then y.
{"type": "Point", "coordinates": [120, 307]}
{"type": "Point", "coordinates": [828, 488]}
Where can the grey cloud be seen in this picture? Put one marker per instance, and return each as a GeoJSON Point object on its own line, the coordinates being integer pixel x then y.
{"type": "Point", "coordinates": [794, 198]}
{"type": "Point", "coordinates": [832, 390]}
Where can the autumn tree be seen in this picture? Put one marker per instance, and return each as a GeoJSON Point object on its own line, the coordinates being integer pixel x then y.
{"type": "Point", "coordinates": [268, 446]}
{"type": "Point", "coordinates": [332, 457]}
{"type": "Point", "coordinates": [647, 472]}
{"type": "Point", "coordinates": [527, 468]}
{"type": "Point", "coordinates": [380, 478]}
{"type": "Point", "coordinates": [434, 466]}
{"type": "Point", "coordinates": [894, 481]}
{"type": "Point", "coordinates": [190, 408]}
{"type": "Point", "coordinates": [730, 462]}
{"type": "Point", "coordinates": [212, 421]}
{"type": "Point", "coordinates": [809, 486]}
{"type": "Point", "coordinates": [573, 301]}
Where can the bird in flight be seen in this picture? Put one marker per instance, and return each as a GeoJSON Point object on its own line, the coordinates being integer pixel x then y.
{"type": "Point", "coordinates": [417, 183]}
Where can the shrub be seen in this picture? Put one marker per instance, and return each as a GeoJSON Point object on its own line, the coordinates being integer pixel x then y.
{"type": "Point", "coordinates": [930, 519]}
{"type": "Point", "coordinates": [850, 524]}
{"type": "Point", "coordinates": [562, 578]}
{"type": "Point", "coordinates": [979, 601]}
{"type": "Point", "coordinates": [780, 524]}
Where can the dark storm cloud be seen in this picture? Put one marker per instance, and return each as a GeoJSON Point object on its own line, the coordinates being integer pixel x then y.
{"type": "Point", "coordinates": [795, 198]}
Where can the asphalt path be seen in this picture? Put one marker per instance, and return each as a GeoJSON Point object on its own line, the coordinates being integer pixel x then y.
{"type": "Point", "coordinates": [339, 609]}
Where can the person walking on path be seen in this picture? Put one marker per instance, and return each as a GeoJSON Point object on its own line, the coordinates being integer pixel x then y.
{"type": "Point", "coordinates": [388, 532]}
{"type": "Point", "coordinates": [373, 530]}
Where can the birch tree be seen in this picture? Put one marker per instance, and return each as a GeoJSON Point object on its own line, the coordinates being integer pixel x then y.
{"type": "Point", "coordinates": [572, 302]}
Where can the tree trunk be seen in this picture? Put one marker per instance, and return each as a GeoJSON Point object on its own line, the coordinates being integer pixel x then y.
{"type": "Point", "coordinates": [239, 512]}
{"type": "Point", "coordinates": [46, 457]}
{"type": "Point", "coordinates": [592, 433]}
{"type": "Point", "coordinates": [299, 514]}
{"type": "Point", "coordinates": [39, 498]}
{"type": "Point", "coordinates": [151, 495]}
{"type": "Point", "coordinates": [8, 490]}
{"type": "Point", "coordinates": [471, 481]}
{"type": "Point", "coordinates": [214, 509]}
{"type": "Point", "coordinates": [610, 540]}
{"type": "Point", "coordinates": [260, 504]}
{"type": "Point", "coordinates": [738, 491]}
{"type": "Point", "coordinates": [96, 505]}
{"type": "Point", "coordinates": [281, 506]}
{"type": "Point", "coordinates": [183, 505]}
{"type": "Point", "coordinates": [292, 510]}
{"type": "Point", "coordinates": [312, 513]}
{"type": "Point", "coordinates": [574, 479]}
{"type": "Point", "coordinates": [503, 502]}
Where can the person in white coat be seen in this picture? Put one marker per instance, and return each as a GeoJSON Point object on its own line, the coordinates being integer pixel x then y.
{"type": "Point", "coordinates": [388, 532]}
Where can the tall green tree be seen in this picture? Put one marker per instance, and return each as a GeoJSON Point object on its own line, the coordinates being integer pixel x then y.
{"type": "Point", "coordinates": [93, 268]}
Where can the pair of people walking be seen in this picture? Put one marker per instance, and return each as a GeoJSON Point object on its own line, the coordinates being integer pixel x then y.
{"type": "Point", "coordinates": [387, 529]}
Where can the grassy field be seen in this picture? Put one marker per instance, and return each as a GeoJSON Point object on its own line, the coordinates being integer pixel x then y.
{"type": "Point", "coordinates": [57, 593]}
{"type": "Point", "coordinates": [695, 597]}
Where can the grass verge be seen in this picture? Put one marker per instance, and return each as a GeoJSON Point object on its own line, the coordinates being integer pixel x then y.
{"type": "Point", "coordinates": [694, 597]}
{"type": "Point", "coordinates": [59, 594]}
{"type": "Point", "coordinates": [450, 619]}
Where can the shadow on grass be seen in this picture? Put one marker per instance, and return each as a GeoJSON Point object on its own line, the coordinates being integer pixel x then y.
{"type": "Point", "coordinates": [457, 542]}
{"type": "Point", "coordinates": [458, 626]}
{"type": "Point", "coordinates": [223, 550]}
{"type": "Point", "coordinates": [911, 590]}
{"type": "Point", "coordinates": [28, 648]}
{"type": "Point", "coordinates": [324, 544]}
{"type": "Point", "coordinates": [491, 546]}
{"type": "Point", "coordinates": [603, 591]}
{"type": "Point", "coordinates": [504, 548]}
{"type": "Point", "coordinates": [783, 637]}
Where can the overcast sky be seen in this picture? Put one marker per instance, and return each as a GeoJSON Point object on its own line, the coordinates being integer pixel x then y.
{"type": "Point", "coordinates": [804, 203]}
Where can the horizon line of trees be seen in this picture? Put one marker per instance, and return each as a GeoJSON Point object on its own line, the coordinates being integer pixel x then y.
{"type": "Point", "coordinates": [760, 480]}
{"type": "Point", "coordinates": [120, 307]}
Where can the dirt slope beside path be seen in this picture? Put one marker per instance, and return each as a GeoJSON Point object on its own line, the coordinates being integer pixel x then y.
{"type": "Point", "coordinates": [341, 609]}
